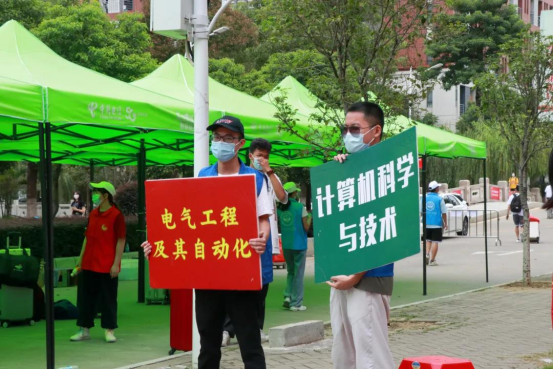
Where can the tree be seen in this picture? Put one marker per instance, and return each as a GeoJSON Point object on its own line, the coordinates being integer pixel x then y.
{"type": "Point", "coordinates": [360, 40]}
{"type": "Point", "coordinates": [467, 34]}
{"type": "Point", "coordinates": [10, 181]}
{"type": "Point", "coordinates": [360, 43]}
{"type": "Point", "coordinates": [242, 32]}
{"type": "Point", "coordinates": [234, 75]}
{"type": "Point", "coordinates": [517, 98]}
{"type": "Point", "coordinates": [85, 35]}
{"type": "Point", "coordinates": [27, 12]}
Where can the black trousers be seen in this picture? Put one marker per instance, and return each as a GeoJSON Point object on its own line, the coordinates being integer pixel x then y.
{"type": "Point", "coordinates": [260, 312]}
{"type": "Point", "coordinates": [241, 306]}
{"type": "Point", "coordinates": [93, 287]}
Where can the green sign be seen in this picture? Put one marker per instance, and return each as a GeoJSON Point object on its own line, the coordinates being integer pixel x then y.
{"type": "Point", "coordinates": [366, 210]}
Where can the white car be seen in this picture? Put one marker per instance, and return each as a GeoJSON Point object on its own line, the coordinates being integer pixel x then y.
{"type": "Point", "coordinates": [458, 216]}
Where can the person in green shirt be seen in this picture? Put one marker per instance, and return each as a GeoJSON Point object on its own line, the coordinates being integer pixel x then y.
{"type": "Point", "coordinates": [294, 222]}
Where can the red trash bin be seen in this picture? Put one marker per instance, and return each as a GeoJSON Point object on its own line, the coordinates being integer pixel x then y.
{"type": "Point", "coordinates": [435, 362]}
{"type": "Point", "coordinates": [181, 321]}
{"type": "Point", "coordinates": [278, 259]}
{"type": "Point", "coordinates": [534, 229]}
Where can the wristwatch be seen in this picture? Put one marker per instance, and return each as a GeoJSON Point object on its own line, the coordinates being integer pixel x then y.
{"type": "Point", "coordinates": [270, 172]}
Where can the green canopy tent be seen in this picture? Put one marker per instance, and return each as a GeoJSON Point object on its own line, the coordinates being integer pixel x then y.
{"type": "Point", "coordinates": [54, 110]}
{"type": "Point", "coordinates": [86, 110]}
{"type": "Point", "coordinates": [175, 78]}
{"type": "Point", "coordinates": [297, 95]}
{"type": "Point", "coordinates": [431, 141]}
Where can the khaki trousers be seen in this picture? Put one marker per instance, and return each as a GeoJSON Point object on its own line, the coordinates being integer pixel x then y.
{"type": "Point", "coordinates": [359, 322]}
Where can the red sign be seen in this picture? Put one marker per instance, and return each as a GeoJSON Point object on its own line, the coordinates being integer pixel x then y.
{"type": "Point", "coordinates": [459, 192]}
{"type": "Point", "coordinates": [495, 193]}
{"type": "Point", "coordinates": [420, 163]}
{"type": "Point", "coordinates": [200, 229]}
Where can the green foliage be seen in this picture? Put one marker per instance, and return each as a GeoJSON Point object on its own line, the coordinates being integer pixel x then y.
{"type": "Point", "coordinates": [466, 37]}
{"type": "Point", "coordinates": [27, 12]}
{"type": "Point", "coordinates": [468, 120]}
{"type": "Point", "coordinates": [127, 199]}
{"type": "Point", "coordinates": [10, 181]}
{"type": "Point", "coordinates": [518, 101]}
{"type": "Point", "coordinates": [234, 75]}
{"type": "Point", "coordinates": [68, 235]}
{"type": "Point", "coordinates": [85, 35]}
{"type": "Point", "coordinates": [303, 65]}
{"type": "Point", "coordinates": [243, 32]}
{"type": "Point", "coordinates": [429, 119]}
{"type": "Point", "coordinates": [359, 40]}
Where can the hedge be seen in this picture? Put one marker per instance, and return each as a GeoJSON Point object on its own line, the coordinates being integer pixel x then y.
{"type": "Point", "coordinates": [68, 234]}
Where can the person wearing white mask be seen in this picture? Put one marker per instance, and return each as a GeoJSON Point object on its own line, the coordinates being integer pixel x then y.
{"type": "Point", "coordinates": [241, 306]}
{"type": "Point", "coordinates": [77, 205]}
{"type": "Point", "coordinates": [360, 303]}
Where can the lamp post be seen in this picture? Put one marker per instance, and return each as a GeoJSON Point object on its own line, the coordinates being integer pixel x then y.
{"type": "Point", "coordinates": [410, 91]}
{"type": "Point", "coordinates": [201, 32]}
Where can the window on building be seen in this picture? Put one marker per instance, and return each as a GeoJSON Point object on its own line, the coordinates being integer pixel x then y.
{"type": "Point", "coordinates": [429, 60]}
{"type": "Point", "coordinates": [429, 98]}
{"type": "Point", "coordinates": [128, 5]}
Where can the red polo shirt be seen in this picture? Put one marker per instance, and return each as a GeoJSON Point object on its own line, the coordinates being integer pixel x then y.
{"type": "Point", "coordinates": [102, 233]}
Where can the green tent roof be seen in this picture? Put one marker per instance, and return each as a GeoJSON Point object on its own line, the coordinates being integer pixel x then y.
{"type": "Point", "coordinates": [93, 116]}
{"type": "Point", "coordinates": [431, 141]}
{"type": "Point", "coordinates": [175, 78]}
{"type": "Point", "coordinates": [437, 142]}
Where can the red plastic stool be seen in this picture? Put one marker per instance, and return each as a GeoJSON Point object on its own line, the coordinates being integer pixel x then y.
{"type": "Point", "coordinates": [435, 362]}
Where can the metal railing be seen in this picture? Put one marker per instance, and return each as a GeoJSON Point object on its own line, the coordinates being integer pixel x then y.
{"type": "Point", "coordinates": [469, 224]}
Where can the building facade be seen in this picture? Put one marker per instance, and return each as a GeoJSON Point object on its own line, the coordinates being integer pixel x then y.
{"type": "Point", "coordinates": [114, 7]}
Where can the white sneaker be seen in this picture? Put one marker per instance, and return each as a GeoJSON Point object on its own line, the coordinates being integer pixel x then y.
{"type": "Point", "coordinates": [427, 259]}
{"type": "Point", "coordinates": [264, 337]}
{"type": "Point", "coordinates": [298, 308]}
{"type": "Point", "coordinates": [433, 263]}
{"type": "Point", "coordinates": [110, 337]}
{"type": "Point", "coordinates": [82, 335]}
{"type": "Point", "coordinates": [518, 240]}
{"type": "Point", "coordinates": [226, 339]}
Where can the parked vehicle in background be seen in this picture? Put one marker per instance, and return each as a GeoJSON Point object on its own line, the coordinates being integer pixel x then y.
{"type": "Point", "coordinates": [460, 198]}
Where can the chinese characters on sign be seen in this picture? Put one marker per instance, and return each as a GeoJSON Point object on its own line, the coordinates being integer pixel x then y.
{"type": "Point", "coordinates": [200, 230]}
{"type": "Point", "coordinates": [366, 210]}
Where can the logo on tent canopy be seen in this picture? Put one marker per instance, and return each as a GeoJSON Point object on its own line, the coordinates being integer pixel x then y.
{"type": "Point", "coordinates": [92, 108]}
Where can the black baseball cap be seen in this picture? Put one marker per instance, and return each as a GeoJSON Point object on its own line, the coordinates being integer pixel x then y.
{"type": "Point", "coordinates": [229, 122]}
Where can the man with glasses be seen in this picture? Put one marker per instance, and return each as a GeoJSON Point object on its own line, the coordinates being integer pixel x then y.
{"type": "Point", "coordinates": [360, 303]}
{"type": "Point", "coordinates": [241, 306]}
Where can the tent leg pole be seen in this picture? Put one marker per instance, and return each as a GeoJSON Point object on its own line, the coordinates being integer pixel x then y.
{"type": "Point", "coordinates": [486, 219]}
{"type": "Point", "coordinates": [423, 208]}
{"type": "Point", "coordinates": [141, 219]}
{"type": "Point", "coordinates": [46, 189]}
{"type": "Point", "coordinates": [91, 170]}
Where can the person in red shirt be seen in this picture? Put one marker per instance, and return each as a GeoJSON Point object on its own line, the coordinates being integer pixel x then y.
{"type": "Point", "coordinates": [100, 262]}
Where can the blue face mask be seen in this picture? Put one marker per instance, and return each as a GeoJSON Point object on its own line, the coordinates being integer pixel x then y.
{"type": "Point", "coordinates": [256, 165]}
{"type": "Point", "coordinates": [223, 151]}
{"type": "Point", "coordinates": [355, 143]}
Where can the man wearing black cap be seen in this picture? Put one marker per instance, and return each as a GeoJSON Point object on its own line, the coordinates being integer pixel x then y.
{"type": "Point", "coordinates": [241, 306]}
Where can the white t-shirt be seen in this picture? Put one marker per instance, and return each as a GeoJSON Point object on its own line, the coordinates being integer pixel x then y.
{"type": "Point", "coordinates": [273, 218]}
{"type": "Point", "coordinates": [264, 204]}
{"type": "Point", "coordinates": [511, 200]}
{"type": "Point", "coordinates": [548, 192]}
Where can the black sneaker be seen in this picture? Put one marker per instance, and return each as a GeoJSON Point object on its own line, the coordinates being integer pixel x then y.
{"type": "Point", "coordinates": [286, 303]}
